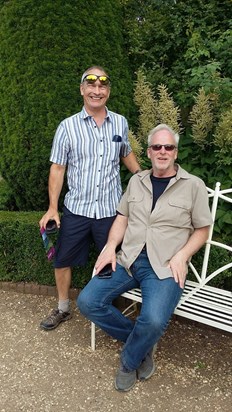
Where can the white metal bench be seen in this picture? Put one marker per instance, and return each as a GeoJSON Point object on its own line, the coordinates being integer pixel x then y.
{"type": "Point", "coordinates": [200, 302]}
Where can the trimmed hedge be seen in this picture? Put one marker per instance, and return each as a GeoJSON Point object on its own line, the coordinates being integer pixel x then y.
{"type": "Point", "coordinates": [23, 257]}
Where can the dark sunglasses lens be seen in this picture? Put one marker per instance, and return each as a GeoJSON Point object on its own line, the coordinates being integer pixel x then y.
{"type": "Point", "coordinates": [156, 147]}
{"type": "Point", "coordinates": [168, 147]}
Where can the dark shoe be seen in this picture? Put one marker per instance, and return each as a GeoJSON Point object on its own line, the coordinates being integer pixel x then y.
{"type": "Point", "coordinates": [54, 319]}
{"type": "Point", "coordinates": [124, 381]}
{"type": "Point", "coordinates": [147, 367]}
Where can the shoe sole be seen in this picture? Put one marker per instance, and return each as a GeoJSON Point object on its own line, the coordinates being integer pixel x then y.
{"type": "Point", "coordinates": [55, 326]}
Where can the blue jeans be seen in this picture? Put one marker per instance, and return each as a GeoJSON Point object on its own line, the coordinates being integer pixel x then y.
{"type": "Point", "coordinates": [159, 299]}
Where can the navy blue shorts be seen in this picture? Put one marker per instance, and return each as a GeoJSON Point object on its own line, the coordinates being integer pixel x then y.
{"type": "Point", "coordinates": [75, 236]}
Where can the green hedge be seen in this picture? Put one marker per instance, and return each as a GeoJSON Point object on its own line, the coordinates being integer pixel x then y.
{"type": "Point", "coordinates": [22, 255]}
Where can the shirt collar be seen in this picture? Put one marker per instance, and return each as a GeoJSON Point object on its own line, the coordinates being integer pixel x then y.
{"type": "Point", "coordinates": [180, 174]}
{"type": "Point", "coordinates": [84, 114]}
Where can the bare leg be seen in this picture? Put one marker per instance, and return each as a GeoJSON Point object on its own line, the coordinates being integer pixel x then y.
{"type": "Point", "coordinates": [63, 282]}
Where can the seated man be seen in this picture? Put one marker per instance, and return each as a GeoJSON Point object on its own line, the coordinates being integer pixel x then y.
{"type": "Point", "coordinates": [163, 219]}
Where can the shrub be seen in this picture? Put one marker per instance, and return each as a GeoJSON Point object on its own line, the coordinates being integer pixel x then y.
{"type": "Point", "coordinates": [22, 255]}
{"type": "Point", "coordinates": [23, 258]}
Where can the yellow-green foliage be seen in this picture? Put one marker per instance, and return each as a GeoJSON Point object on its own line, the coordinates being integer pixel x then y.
{"type": "Point", "coordinates": [168, 112]}
{"type": "Point", "coordinates": [154, 111]}
{"type": "Point", "coordinates": [144, 99]}
{"type": "Point", "coordinates": [223, 138]}
{"type": "Point", "coordinates": [135, 145]}
{"type": "Point", "coordinates": [201, 117]}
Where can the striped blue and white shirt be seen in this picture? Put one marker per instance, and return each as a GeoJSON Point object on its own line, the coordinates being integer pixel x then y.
{"type": "Point", "coordinates": [92, 155]}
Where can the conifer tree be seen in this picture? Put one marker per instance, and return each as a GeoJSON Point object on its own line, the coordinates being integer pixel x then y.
{"type": "Point", "coordinates": [44, 48]}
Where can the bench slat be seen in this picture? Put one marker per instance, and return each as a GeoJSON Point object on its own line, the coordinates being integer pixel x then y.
{"type": "Point", "coordinates": [199, 318]}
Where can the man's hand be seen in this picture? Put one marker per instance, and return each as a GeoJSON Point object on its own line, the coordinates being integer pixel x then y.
{"type": "Point", "coordinates": [179, 268]}
{"type": "Point", "coordinates": [106, 256]}
{"type": "Point", "coordinates": [179, 262]}
{"type": "Point", "coordinates": [50, 215]}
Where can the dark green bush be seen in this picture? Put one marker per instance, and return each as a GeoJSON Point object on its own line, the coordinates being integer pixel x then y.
{"type": "Point", "coordinates": [44, 49]}
{"type": "Point", "coordinates": [218, 258]}
{"type": "Point", "coordinates": [22, 255]}
{"type": "Point", "coordinates": [6, 197]}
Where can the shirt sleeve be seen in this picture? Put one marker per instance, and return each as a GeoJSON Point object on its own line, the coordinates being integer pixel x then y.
{"type": "Point", "coordinates": [125, 147]}
{"type": "Point", "coordinates": [123, 207]}
{"type": "Point", "coordinates": [60, 146]}
{"type": "Point", "coordinates": [201, 215]}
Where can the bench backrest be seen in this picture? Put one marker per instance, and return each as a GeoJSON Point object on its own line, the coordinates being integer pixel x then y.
{"type": "Point", "coordinates": [204, 277]}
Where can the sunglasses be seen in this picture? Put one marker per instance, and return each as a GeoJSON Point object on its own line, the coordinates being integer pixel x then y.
{"type": "Point", "coordinates": [157, 147]}
{"type": "Point", "coordinates": [92, 78]}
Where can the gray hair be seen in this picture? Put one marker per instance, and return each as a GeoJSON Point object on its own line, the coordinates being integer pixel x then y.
{"type": "Point", "coordinates": [92, 68]}
{"type": "Point", "coordinates": [163, 126]}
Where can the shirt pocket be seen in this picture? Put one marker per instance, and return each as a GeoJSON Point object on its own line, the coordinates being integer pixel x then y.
{"type": "Point", "coordinates": [135, 201]}
{"type": "Point", "coordinates": [179, 212]}
{"type": "Point", "coordinates": [117, 138]}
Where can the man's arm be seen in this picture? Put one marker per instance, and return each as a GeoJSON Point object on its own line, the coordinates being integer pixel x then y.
{"type": "Point", "coordinates": [116, 234]}
{"type": "Point", "coordinates": [131, 163]}
{"type": "Point", "coordinates": [55, 183]}
{"type": "Point", "coordinates": [179, 262]}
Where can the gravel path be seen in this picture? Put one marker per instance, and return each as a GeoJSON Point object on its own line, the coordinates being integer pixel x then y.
{"type": "Point", "coordinates": [56, 371]}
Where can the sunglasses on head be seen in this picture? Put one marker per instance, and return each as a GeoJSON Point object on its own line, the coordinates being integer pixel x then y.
{"type": "Point", "coordinates": [157, 147]}
{"type": "Point", "coordinates": [92, 78]}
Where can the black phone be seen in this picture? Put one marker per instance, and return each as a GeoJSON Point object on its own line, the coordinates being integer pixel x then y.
{"type": "Point", "coordinates": [51, 227]}
{"type": "Point", "coordinates": [106, 272]}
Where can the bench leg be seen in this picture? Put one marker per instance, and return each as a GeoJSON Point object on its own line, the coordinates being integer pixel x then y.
{"type": "Point", "coordinates": [93, 335]}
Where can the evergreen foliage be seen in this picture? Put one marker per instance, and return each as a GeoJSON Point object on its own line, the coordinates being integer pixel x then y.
{"type": "Point", "coordinates": [44, 49]}
{"type": "Point", "coordinates": [185, 45]}
{"type": "Point", "coordinates": [22, 254]}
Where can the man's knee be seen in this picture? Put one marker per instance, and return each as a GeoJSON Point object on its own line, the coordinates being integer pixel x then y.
{"type": "Point", "coordinates": [82, 302]}
{"type": "Point", "coordinates": [88, 303]}
{"type": "Point", "coordinates": [155, 324]}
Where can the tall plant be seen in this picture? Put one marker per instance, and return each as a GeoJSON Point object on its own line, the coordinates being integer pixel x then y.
{"type": "Point", "coordinates": [154, 108]}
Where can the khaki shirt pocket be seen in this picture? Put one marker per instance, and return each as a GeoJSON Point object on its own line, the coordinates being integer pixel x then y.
{"type": "Point", "coordinates": [179, 212]}
{"type": "Point", "coordinates": [135, 201]}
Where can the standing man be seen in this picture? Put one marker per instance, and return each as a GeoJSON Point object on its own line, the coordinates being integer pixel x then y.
{"type": "Point", "coordinates": [91, 144]}
{"type": "Point", "coordinates": [163, 219]}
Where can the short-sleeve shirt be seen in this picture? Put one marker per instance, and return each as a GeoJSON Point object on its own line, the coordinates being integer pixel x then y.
{"type": "Point", "coordinates": [92, 155]}
{"type": "Point", "coordinates": [181, 208]}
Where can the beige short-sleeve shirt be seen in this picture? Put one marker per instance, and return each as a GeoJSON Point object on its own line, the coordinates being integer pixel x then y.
{"type": "Point", "coordinates": [181, 208]}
